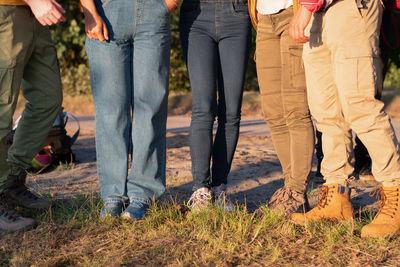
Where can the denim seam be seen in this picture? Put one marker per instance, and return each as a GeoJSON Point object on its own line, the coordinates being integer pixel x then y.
{"type": "Point", "coordinates": [113, 199]}
{"type": "Point", "coordinates": [139, 199]}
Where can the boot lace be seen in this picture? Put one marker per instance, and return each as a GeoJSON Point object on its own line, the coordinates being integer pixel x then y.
{"type": "Point", "coordinates": [282, 195]}
{"type": "Point", "coordinates": [388, 200]}
{"type": "Point", "coordinates": [10, 215]}
{"type": "Point", "coordinates": [324, 190]}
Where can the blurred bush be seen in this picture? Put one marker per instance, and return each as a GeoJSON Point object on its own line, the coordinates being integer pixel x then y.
{"type": "Point", "coordinates": [69, 38]}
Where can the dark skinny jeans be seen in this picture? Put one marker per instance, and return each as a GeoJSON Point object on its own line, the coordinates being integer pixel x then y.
{"type": "Point", "coordinates": [215, 37]}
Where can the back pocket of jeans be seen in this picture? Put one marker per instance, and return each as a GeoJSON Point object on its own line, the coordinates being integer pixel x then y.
{"type": "Point", "coordinates": [240, 8]}
{"type": "Point", "coordinates": [6, 78]}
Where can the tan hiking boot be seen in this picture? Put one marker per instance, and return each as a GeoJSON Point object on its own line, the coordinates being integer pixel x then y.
{"type": "Point", "coordinates": [286, 201]}
{"type": "Point", "coordinates": [334, 205]}
{"type": "Point", "coordinates": [387, 220]}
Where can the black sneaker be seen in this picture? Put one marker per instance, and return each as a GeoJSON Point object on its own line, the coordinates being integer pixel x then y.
{"type": "Point", "coordinates": [23, 197]}
{"type": "Point", "coordinates": [11, 221]}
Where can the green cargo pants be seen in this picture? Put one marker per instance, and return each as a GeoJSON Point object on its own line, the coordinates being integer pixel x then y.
{"type": "Point", "coordinates": [27, 56]}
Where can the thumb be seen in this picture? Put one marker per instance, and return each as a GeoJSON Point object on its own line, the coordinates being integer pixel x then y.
{"type": "Point", "coordinates": [105, 31]}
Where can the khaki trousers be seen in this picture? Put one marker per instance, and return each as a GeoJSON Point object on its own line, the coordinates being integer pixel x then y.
{"type": "Point", "coordinates": [27, 55]}
{"type": "Point", "coordinates": [283, 95]}
{"type": "Point", "coordinates": [343, 73]}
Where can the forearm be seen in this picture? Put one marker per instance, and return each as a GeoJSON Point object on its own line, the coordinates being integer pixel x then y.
{"type": "Point", "coordinates": [89, 7]}
{"type": "Point", "coordinates": [95, 27]}
{"type": "Point", "coordinates": [315, 5]}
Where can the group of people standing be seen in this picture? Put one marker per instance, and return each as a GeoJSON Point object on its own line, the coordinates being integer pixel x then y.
{"type": "Point", "coordinates": [128, 46]}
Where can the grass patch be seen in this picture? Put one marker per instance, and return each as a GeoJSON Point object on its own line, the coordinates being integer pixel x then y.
{"type": "Point", "coordinates": [71, 234]}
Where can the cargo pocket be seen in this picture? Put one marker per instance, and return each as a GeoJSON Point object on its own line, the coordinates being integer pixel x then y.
{"type": "Point", "coordinates": [357, 71]}
{"type": "Point", "coordinates": [297, 67]}
{"type": "Point", "coordinates": [6, 81]}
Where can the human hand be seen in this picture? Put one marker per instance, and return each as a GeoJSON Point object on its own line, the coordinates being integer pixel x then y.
{"type": "Point", "coordinates": [95, 27]}
{"type": "Point", "coordinates": [47, 12]}
{"type": "Point", "coordinates": [298, 24]}
{"type": "Point", "coordinates": [172, 4]}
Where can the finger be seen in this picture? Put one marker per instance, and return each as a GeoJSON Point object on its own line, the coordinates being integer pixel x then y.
{"type": "Point", "coordinates": [53, 18]}
{"type": "Point", "coordinates": [100, 37]}
{"type": "Point", "coordinates": [299, 35]}
{"type": "Point", "coordinates": [41, 21]}
{"type": "Point", "coordinates": [303, 38]}
{"type": "Point", "coordinates": [47, 21]}
{"type": "Point", "coordinates": [90, 35]}
{"type": "Point", "coordinates": [105, 31]}
{"type": "Point", "coordinates": [58, 16]}
{"type": "Point", "coordinates": [58, 7]}
{"type": "Point", "coordinates": [291, 34]}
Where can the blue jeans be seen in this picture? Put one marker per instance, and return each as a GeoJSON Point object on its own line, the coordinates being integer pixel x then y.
{"type": "Point", "coordinates": [129, 75]}
{"type": "Point", "coordinates": [215, 36]}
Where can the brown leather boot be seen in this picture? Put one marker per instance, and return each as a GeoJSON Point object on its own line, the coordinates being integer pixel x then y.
{"type": "Point", "coordinates": [387, 220]}
{"type": "Point", "coordinates": [17, 194]}
{"type": "Point", "coordinates": [286, 201]}
{"type": "Point", "coordinates": [334, 205]}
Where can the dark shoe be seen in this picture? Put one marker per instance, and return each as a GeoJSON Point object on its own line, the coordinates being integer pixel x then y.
{"type": "Point", "coordinates": [318, 178]}
{"type": "Point", "coordinates": [21, 196]}
{"type": "Point", "coordinates": [113, 207]}
{"type": "Point", "coordinates": [135, 211]}
{"type": "Point", "coordinates": [221, 199]}
{"type": "Point", "coordinates": [11, 221]}
{"type": "Point", "coordinates": [286, 201]}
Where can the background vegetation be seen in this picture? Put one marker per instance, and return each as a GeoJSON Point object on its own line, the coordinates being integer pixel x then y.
{"type": "Point", "coordinates": [70, 41]}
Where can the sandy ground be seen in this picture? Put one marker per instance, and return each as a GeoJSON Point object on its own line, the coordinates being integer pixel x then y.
{"type": "Point", "coordinates": [255, 175]}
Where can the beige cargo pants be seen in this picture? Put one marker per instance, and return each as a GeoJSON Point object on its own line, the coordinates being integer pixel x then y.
{"type": "Point", "coordinates": [343, 73]}
{"type": "Point", "coordinates": [27, 55]}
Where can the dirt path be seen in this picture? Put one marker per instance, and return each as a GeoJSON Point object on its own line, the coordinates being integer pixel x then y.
{"type": "Point", "coordinates": [255, 175]}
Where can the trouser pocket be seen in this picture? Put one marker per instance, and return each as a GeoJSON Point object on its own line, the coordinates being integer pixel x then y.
{"type": "Point", "coordinates": [296, 67]}
{"type": "Point", "coordinates": [6, 78]}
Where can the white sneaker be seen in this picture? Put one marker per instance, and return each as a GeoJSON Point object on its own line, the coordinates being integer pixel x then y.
{"type": "Point", "coordinates": [200, 199]}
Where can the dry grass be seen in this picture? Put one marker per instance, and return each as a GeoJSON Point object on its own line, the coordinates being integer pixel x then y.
{"type": "Point", "coordinates": [71, 234]}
